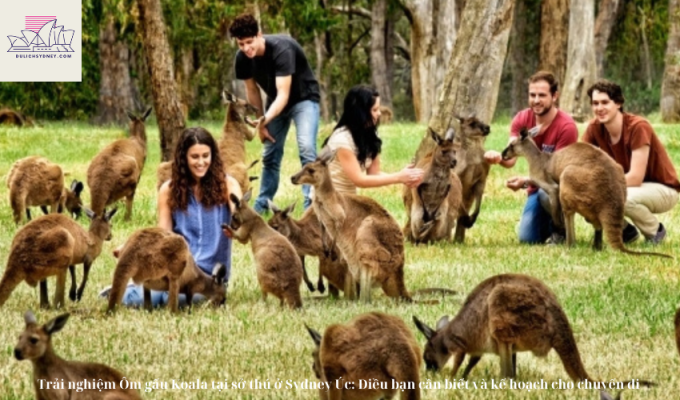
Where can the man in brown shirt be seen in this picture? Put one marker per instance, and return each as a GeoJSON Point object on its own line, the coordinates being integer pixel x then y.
{"type": "Point", "coordinates": [630, 140]}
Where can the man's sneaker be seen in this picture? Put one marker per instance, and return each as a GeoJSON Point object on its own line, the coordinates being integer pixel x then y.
{"type": "Point", "coordinates": [630, 233]}
{"type": "Point", "coordinates": [105, 293]}
{"type": "Point", "coordinates": [556, 238]}
{"type": "Point", "coordinates": [660, 235]}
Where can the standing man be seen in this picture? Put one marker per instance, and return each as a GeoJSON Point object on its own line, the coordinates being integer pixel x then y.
{"type": "Point", "coordinates": [277, 65]}
{"type": "Point", "coordinates": [557, 130]}
{"type": "Point", "coordinates": [630, 140]}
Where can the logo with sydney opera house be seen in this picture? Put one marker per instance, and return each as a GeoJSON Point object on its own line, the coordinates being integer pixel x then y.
{"type": "Point", "coordinates": [42, 35]}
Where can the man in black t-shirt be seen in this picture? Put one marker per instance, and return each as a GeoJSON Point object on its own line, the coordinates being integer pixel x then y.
{"type": "Point", "coordinates": [277, 65]}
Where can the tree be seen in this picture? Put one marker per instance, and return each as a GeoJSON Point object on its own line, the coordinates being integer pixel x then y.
{"type": "Point", "coordinates": [473, 74]}
{"type": "Point", "coordinates": [159, 61]}
{"type": "Point", "coordinates": [606, 17]}
{"type": "Point", "coordinates": [554, 37]}
{"type": "Point", "coordinates": [381, 52]}
{"type": "Point", "coordinates": [670, 86]}
{"type": "Point", "coordinates": [433, 35]}
{"type": "Point", "coordinates": [581, 67]}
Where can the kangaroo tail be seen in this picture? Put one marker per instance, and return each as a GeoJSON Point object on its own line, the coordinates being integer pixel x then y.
{"type": "Point", "coordinates": [443, 291]}
{"type": "Point", "coordinates": [565, 346]}
{"type": "Point", "coordinates": [616, 242]}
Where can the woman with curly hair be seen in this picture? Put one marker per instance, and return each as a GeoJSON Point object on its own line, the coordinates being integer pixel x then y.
{"type": "Point", "coordinates": [194, 203]}
{"type": "Point", "coordinates": [357, 146]}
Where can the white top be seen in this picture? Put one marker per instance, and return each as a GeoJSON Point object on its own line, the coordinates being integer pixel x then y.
{"type": "Point", "coordinates": [341, 138]}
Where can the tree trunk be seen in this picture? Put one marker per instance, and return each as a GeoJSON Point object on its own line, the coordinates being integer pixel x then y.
{"type": "Point", "coordinates": [518, 59]}
{"type": "Point", "coordinates": [646, 57]}
{"type": "Point", "coordinates": [474, 72]}
{"type": "Point", "coordinates": [554, 37]}
{"type": "Point", "coordinates": [185, 75]}
{"type": "Point", "coordinates": [159, 61]}
{"type": "Point", "coordinates": [115, 88]}
{"type": "Point", "coordinates": [379, 76]}
{"type": "Point", "coordinates": [670, 87]}
{"type": "Point", "coordinates": [581, 69]}
{"type": "Point", "coordinates": [433, 34]}
{"type": "Point", "coordinates": [606, 17]}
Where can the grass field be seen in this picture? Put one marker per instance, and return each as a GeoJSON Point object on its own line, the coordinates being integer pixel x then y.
{"type": "Point", "coordinates": [620, 307]}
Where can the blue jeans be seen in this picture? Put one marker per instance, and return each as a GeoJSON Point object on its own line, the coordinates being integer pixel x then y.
{"type": "Point", "coordinates": [306, 117]}
{"type": "Point", "coordinates": [535, 225]}
{"type": "Point", "coordinates": [134, 297]}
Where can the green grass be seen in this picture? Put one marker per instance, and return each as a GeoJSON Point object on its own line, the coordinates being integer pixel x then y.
{"type": "Point", "coordinates": [620, 307]}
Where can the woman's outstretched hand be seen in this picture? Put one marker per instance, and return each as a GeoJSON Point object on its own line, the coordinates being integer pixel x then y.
{"type": "Point", "coordinates": [411, 176]}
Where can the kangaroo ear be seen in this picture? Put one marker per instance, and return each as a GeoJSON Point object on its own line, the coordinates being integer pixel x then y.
{"type": "Point", "coordinates": [219, 273]}
{"type": "Point", "coordinates": [56, 324]}
{"type": "Point", "coordinates": [426, 330]}
{"type": "Point", "coordinates": [235, 200]}
{"type": "Point", "coordinates": [29, 318]}
{"type": "Point", "coordinates": [435, 136]}
{"type": "Point", "coordinates": [89, 213]}
{"type": "Point", "coordinates": [326, 155]}
{"type": "Point", "coordinates": [443, 321]}
{"type": "Point", "coordinates": [110, 214]}
{"type": "Point", "coordinates": [77, 187]}
{"type": "Point", "coordinates": [227, 97]}
{"type": "Point", "coordinates": [316, 336]}
{"type": "Point", "coordinates": [450, 134]}
{"type": "Point", "coordinates": [247, 196]}
{"type": "Point", "coordinates": [273, 207]}
{"type": "Point", "coordinates": [131, 115]}
{"type": "Point", "coordinates": [289, 209]}
{"type": "Point", "coordinates": [146, 114]}
{"type": "Point", "coordinates": [534, 131]}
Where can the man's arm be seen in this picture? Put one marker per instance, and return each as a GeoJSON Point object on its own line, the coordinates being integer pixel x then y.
{"type": "Point", "coordinates": [281, 100]}
{"type": "Point", "coordinates": [638, 166]}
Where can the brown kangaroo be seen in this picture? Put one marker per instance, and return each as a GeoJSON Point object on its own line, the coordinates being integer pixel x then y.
{"type": "Point", "coordinates": [374, 347]}
{"type": "Point", "coordinates": [504, 314]}
{"type": "Point", "coordinates": [368, 237]}
{"type": "Point", "coordinates": [677, 329]}
{"type": "Point", "coordinates": [305, 235]}
{"type": "Point", "coordinates": [35, 344]}
{"type": "Point", "coordinates": [278, 266]}
{"type": "Point", "coordinates": [579, 178]}
{"type": "Point", "coordinates": [161, 260]}
{"type": "Point", "coordinates": [432, 208]}
{"type": "Point", "coordinates": [50, 245]}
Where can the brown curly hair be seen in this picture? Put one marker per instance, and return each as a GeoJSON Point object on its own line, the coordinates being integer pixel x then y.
{"type": "Point", "coordinates": [213, 185]}
{"type": "Point", "coordinates": [244, 26]}
{"type": "Point", "coordinates": [610, 88]}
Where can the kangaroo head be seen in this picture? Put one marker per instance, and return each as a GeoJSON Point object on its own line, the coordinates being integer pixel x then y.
{"type": "Point", "coordinates": [472, 127]}
{"type": "Point", "coordinates": [218, 294]}
{"type": "Point", "coordinates": [100, 225]}
{"type": "Point", "coordinates": [35, 339]}
{"type": "Point", "coordinates": [439, 346]}
{"type": "Point", "coordinates": [445, 152]}
{"type": "Point", "coordinates": [72, 201]}
{"type": "Point", "coordinates": [241, 219]}
{"type": "Point", "coordinates": [137, 126]}
{"type": "Point", "coordinates": [316, 172]}
{"type": "Point", "coordinates": [316, 337]}
{"type": "Point", "coordinates": [281, 221]}
{"type": "Point", "coordinates": [237, 109]}
{"type": "Point", "coordinates": [519, 146]}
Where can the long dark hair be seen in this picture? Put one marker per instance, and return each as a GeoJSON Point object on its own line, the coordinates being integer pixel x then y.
{"type": "Point", "coordinates": [356, 117]}
{"type": "Point", "coordinates": [213, 184]}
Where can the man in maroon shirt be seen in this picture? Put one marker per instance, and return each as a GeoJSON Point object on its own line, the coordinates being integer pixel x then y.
{"type": "Point", "coordinates": [630, 140]}
{"type": "Point", "coordinates": [557, 130]}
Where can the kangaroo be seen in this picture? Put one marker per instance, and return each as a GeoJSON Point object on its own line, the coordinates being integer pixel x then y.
{"type": "Point", "coordinates": [579, 178]}
{"type": "Point", "coordinates": [677, 329]}
{"type": "Point", "coordinates": [368, 237]}
{"type": "Point", "coordinates": [278, 266]}
{"type": "Point", "coordinates": [305, 235]}
{"type": "Point", "coordinates": [48, 246]}
{"type": "Point", "coordinates": [35, 344]}
{"type": "Point", "coordinates": [432, 208]}
{"type": "Point", "coordinates": [374, 347]}
{"type": "Point", "coordinates": [115, 171]}
{"type": "Point", "coordinates": [235, 132]}
{"type": "Point", "coordinates": [504, 314]}
{"type": "Point", "coordinates": [161, 260]}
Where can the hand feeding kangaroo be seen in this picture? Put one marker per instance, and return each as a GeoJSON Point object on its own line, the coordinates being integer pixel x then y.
{"type": "Point", "coordinates": [579, 178]}
{"type": "Point", "coordinates": [161, 260]}
{"type": "Point", "coordinates": [368, 237]}
{"type": "Point", "coordinates": [277, 264]}
{"type": "Point", "coordinates": [48, 246]}
{"type": "Point", "coordinates": [53, 376]}
{"type": "Point", "coordinates": [505, 314]}
{"type": "Point", "coordinates": [373, 347]}
{"type": "Point", "coordinates": [433, 207]}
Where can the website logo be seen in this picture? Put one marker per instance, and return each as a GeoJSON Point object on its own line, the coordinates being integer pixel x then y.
{"type": "Point", "coordinates": [42, 35]}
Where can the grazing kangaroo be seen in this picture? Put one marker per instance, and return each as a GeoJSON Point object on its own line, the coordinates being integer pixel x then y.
{"type": "Point", "coordinates": [50, 245]}
{"type": "Point", "coordinates": [472, 171]}
{"type": "Point", "coordinates": [278, 266]}
{"type": "Point", "coordinates": [305, 235]}
{"type": "Point", "coordinates": [504, 314]}
{"type": "Point", "coordinates": [115, 171]}
{"type": "Point", "coordinates": [579, 178]}
{"type": "Point", "coordinates": [35, 344]}
{"type": "Point", "coordinates": [368, 237]}
{"type": "Point", "coordinates": [374, 347]}
{"type": "Point", "coordinates": [161, 260]}
{"type": "Point", "coordinates": [432, 208]}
